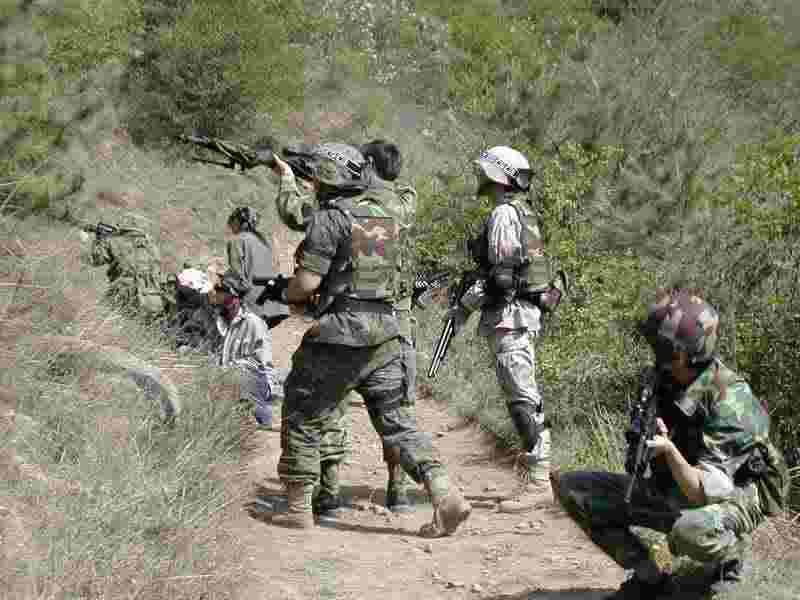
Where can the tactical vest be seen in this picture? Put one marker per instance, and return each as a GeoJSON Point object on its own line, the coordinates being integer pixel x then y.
{"type": "Point", "coordinates": [369, 267]}
{"type": "Point", "coordinates": [531, 269]}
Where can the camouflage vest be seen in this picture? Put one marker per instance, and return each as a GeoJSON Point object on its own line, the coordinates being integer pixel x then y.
{"type": "Point", "coordinates": [532, 271]}
{"type": "Point", "coordinates": [369, 268]}
{"type": "Point", "coordinates": [136, 270]}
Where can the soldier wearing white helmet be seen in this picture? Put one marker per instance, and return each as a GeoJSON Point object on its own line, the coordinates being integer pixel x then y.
{"type": "Point", "coordinates": [515, 289]}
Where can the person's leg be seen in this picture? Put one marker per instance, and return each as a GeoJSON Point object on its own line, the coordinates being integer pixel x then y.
{"type": "Point", "coordinates": [515, 367]}
{"type": "Point", "coordinates": [317, 384]}
{"type": "Point", "coordinates": [333, 450]}
{"type": "Point", "coordinates": [382, 386]}
{"type": "Point", "coordinates": [595, 500]}
{"type": "Point", "coordinates": [718, 535]}
{"type": "Point", "coordinates": [399, 482]}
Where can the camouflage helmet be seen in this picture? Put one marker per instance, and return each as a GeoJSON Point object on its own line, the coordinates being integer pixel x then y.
{"type": "Point", "coordinates": [338, 165]}
{"type": "Point", "coordinates": [681, 321]}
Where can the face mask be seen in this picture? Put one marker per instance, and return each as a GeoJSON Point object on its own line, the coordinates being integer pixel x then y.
{"type": "Point", "coordinates": [230, 307]}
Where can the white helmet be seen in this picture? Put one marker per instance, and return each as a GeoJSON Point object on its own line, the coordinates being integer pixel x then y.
{"type": "Point", "coordinates": [507, 166]}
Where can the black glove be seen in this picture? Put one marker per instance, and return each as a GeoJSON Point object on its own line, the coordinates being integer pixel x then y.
{"type": "Point", "coordinates": [274, 289]}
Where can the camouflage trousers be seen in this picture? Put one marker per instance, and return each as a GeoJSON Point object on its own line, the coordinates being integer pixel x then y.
{"type": "Point", "coordinates": [125, 291]}
{"type": "Point", "coordinates": [709, 534]}
{"type": "Point", "coordinates": [313, 422]}
{"type": "Point", "coordinates": [515, 367]}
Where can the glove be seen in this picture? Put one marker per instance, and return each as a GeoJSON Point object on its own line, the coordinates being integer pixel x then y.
{"type": "Point", "coordinates": [459, 315]}
{"type": "Point", "coordinates": [274, 289]}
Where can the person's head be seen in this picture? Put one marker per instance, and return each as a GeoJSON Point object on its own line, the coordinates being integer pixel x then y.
{"type": "Point", "coordinates": [337, 169]}
{"type": "Point", "coordinates": [243, 218]}
{"type": "Point", "coordinates": [385, 158]}
{"type": "Point", "coordinates": [682, 329]}
{"type": "Point", "coordinates": [227, 294]}
{"type": "Point", "coordinates": [501, 170]}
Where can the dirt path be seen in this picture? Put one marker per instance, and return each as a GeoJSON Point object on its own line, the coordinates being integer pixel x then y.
{"type": "Point", "coordinates": [370, 553]}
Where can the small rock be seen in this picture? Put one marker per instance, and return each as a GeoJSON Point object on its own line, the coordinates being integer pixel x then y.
{"type": "Point", "coordinates": [428, 548]}
{"type": "Point", "coordinates": [436, 575]}
{"type": "Point", "coordinates": [441, 434]}
{"type": "Point", "coordinates": [490, 487]}
{"type": "Point", "coordinates": [477, 588]}
{"type": "Point", "coordinates": [455, 584]}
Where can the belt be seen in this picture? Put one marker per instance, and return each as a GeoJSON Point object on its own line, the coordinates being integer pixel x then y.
{"type": "Point", "coordinates": [344, 304]}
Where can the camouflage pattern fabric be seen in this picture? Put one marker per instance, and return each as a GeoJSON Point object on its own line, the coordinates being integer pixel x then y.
{"type": "Point", "coordinates": [504, 241]}
{"type": "Point", "coordinates": [682, 321]}
{"type": "Point", "coordinates": [718, 425]}
{"type": "Point", "coordinates": [515, 367]}
{"type": "Point", "coordinates": [711, 533]}
{"type": "Point", "coordinates": [321, 377]}
{"type": "Point", "coordinates": [134, 270]}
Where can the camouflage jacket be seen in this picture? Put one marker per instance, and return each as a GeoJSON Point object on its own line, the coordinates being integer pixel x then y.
{"type": "Point", "coordinates": [504, 237]}
{"type": "Point", "coordinates": [134, 268]}
{"type": "Point", "coordinates": [717, 423]}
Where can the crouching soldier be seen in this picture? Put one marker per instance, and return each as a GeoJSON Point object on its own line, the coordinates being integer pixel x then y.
{"type": "Point", "coordinates": [715, 472]}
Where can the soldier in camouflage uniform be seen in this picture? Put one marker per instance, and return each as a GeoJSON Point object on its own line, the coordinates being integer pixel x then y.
{"type": "Point", "coordinates": [715, 472]}
{"type": "Point", "coordinates": [514, 288]}
{"type": "Point", "coordinates": [134, 267]}
{"type": "Point", "coordinates": [352, 257]}
{"type": "Point", "coordinates": [296, 204]}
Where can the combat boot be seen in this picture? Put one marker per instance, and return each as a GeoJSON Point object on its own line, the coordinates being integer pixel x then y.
{"type": "Point", "coordinates": [298, 515]}
{"type": "Point", "coordinates": [397, 499]}
{"type": "Point", "coordinates": [328, 502]}
{"type": "Point", "coordinates": [536, 478]}
{"type": "Point", "coordinates": [639, 589]}
{"type": "Point", "coordinates": [450, 509]}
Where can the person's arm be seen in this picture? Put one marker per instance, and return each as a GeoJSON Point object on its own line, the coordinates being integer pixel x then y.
{"type": "Point", "coordinates": [504, 243]}
{"type": "Point", "coordinates": [302, 286]}
{"type": "Point", "coordinates": [688, 478]}
{"type": "Point", "coordinates": [294, 205]}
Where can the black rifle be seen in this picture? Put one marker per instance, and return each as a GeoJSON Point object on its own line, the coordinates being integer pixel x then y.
{"type": "Point", "coordinates": [245, 157]}
{"type": "Point", "coordinates": [102, 230]}
{"type": "Point", "coordinates": [448, 331]}
{"type": "Point", "coordinates": [644, 415]}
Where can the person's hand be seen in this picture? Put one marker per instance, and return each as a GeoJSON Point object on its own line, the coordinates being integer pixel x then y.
{"type": "Point", "coordinates": [459, 315]}
{"type": "Point", "coordinates": [660, 444]}
{"type": "Point", "coordinates": [274, 289]}
{"type": "Point", "coordinates": [281, 167]}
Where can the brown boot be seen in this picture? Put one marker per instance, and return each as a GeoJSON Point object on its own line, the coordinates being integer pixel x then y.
{"type": "Point", "coordinates": [536, 479]}
{"type": "Point", "coordinates": [450, 509]}
{"type": "Point", "coordinates": [298, 515]}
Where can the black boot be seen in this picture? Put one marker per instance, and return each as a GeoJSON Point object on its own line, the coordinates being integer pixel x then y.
{"type": "Point", "coordinates": [327, 502]}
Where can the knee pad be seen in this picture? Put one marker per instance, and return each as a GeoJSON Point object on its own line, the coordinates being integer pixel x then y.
{"type": "Point", "coordinates": [524, 418]}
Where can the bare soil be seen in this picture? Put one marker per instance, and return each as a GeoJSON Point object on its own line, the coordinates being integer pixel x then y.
{"type": "Point", "coordinates": [368, 552]}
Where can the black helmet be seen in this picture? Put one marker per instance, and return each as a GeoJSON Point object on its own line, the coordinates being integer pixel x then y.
{"type": "Point", "coordinates": [244, 217]}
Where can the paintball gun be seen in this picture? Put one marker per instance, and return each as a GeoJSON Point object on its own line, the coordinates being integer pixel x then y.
{"type": "Point", "coordinates": [643, 428]}
{"type": "Point", "coordinates": [102, 230]}
{"type": "Point", "coordinates": [245, 157]}
{"type": "Point", "coordinates": [443, 344]}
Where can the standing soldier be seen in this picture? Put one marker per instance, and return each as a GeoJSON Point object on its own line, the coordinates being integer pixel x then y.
{"type": "Point", "coordinates": [715, 474]}
{"type": "Point", "coordinates": [351, 258]}
{"type": "Point", "coordinates": [514, 289]}
{"type": "Point", "coordinates": [134, 266]}
{"type": "Point", "coordinates": [296, 202]}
